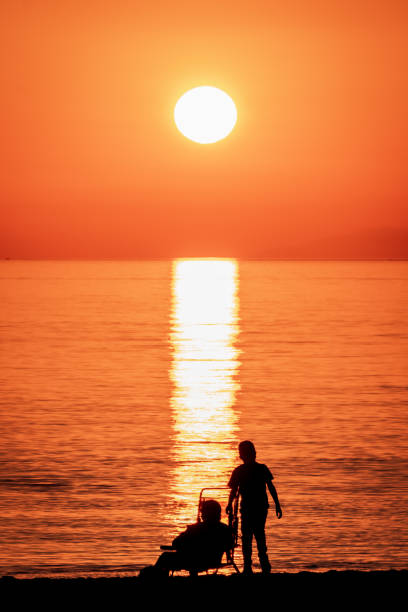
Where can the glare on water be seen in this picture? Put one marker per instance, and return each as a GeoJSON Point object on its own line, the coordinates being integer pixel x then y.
{"type": "Point", "coordinates": [204, 373]}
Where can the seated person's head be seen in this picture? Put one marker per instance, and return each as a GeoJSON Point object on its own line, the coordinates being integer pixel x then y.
{"type": "Point", "coordinates": [211, 511]}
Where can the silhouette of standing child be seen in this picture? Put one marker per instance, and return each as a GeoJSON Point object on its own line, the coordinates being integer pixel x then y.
{"type": "Point", "coordinates": [250, 480]}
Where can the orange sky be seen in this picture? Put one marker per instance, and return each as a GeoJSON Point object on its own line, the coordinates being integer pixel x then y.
{"type": "Point", "coordinates": [93, 166]}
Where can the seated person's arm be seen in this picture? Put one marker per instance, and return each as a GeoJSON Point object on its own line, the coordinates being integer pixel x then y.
{"type": "Point", "coordinates": [179, 541]}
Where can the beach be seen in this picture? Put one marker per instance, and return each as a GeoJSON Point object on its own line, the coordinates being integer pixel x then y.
{"type": "Point", "coordinates": [322, 590]}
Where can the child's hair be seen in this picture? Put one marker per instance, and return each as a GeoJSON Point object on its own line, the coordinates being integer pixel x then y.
{"type": "Point", "coordinates": [247, 450]}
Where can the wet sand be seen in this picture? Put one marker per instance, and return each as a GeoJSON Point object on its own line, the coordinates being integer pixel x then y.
{"type": "Point", "coordinates": [349, 589]}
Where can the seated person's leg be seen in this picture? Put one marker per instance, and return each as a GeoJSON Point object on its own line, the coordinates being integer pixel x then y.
{"type": "Point", "coordinates": [169, 561]}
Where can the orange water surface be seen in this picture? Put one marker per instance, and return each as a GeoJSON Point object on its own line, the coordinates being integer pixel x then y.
{"type": "Point", "coordinates": [126, 387]}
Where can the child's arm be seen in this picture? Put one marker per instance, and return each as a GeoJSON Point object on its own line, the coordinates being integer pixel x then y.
{"type": "Point", "coordinates": [232, 496]}
{"type": "Point", "coordinates": [274, 494]}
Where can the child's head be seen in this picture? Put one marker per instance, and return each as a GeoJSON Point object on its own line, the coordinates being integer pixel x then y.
{"type": "Point", "coordinates": [247, 451]}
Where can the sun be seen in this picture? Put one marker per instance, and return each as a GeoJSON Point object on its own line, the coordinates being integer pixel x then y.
{"type": "Point", "coordinates": [205, 114]}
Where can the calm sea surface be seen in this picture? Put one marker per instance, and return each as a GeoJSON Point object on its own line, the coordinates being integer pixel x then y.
{"type": "Point", "coordinates": [126, 387]}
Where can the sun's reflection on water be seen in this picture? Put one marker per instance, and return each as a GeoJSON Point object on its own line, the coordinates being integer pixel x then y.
{"type": "Point", "coordinates": [204, 372]}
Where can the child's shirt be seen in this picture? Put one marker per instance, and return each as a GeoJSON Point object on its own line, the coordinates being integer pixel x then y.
{"type": "Point", "coordinates": [251, 478]}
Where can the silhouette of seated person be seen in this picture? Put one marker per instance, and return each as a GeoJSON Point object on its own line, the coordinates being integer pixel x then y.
{"type": "Point", "coordinates": [200, 547]}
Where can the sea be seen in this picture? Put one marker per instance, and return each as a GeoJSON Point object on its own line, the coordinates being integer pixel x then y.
{"type": "Point", "coordinates": [126, 387]}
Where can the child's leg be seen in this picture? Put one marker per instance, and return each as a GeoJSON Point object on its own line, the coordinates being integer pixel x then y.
{"type": "Point", "coordinates": [247, 534]}
{"type": "Point", "coordinates": [259, 533]}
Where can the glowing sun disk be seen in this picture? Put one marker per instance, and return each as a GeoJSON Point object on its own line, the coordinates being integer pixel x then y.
{"type": "Point", "coordinates": [205, 114]}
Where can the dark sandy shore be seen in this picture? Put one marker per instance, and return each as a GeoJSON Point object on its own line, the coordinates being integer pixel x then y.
{"type": "Point", "coordinates": [328, 590]}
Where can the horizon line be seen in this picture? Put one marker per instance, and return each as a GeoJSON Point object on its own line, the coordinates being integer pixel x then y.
{"type": "Point", "coordinates": [206, 257]}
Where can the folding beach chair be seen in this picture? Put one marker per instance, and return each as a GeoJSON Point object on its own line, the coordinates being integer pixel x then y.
{"type": "Point", "coordinates": [227, 558]}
